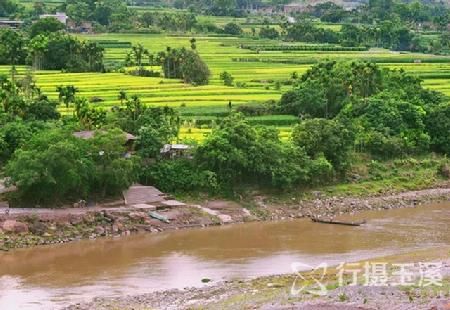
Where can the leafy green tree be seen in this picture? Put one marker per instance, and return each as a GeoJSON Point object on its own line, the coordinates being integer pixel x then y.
{"type": "Point", "coordinates": [88, 117]}
{"type": "Point", "coordinates": [65, 52]}
{"type": "Point", "coordinates": [112, 171]}
{"type": "Point", "coordinates": [232, 29]}
{"type": "Point", "coordinates": [45, 26]}
{"type": "Point", "coordinates": [137, 54]}
{"type": "Point", "coordinates": [329, 138]}
{"type": "Point", "coordinates": [41, 109]}
{"type": "Point", "coordinates": [122, 96]}
{"type": "Point", "coordinates": [94, 54]}
{"type": "Point", "coordinates": [8, 7]}
{"type": "Point", "coordinates": [227, 151]}
{"type": "Point", "coordinates": [39, 8]}
{"type": "Point", "coordinates": [193, 42]}
{"type": "Point", "coordinates": [392, 127]}
{"type": "Point", "coordinates": [66, 94]}
{"type": "Point", "coordinates": [238, 152]}
{"type": "Point", "coordinates": [438, 127]}
{"type": "Point", "coordinates": [185, 64]}
{"type": "Point", "coordinates": [179, 175]}
{"type": "Point", "coordinates": [13, 135]}
{"type": "Point", "coordinates": [268, 33]}
{"type": "Point", "coordinates": [308, 99]}
{"type": "Point", "coordinates": [51, 168]}
{"type": "Point", "coordinates": [37, 47]}
{"type": "Point", "coordinates": [227, 78]}
{"type": "Point", "coordinates": [305, 31]}
{"type": "Point", "coordinates": [78, 11]}
{"type": "Point", "coordinates": [12, 49]}
{"type": "Point", "coordinates": [135, 115]}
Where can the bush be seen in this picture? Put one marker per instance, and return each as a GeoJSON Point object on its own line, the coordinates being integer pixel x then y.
{"type": "Point", "coordinates": [444, 170]}
{"type": "Point", "coordinates": [96, 99]}
{"type": "Point", "coordinates": [232, 29]}
{"type": "Point", "coordinates": [144, 72]}
{"type": "Point", "coordinates": [54, 168]}
{"type": "Point", "coordinates": [438, 127]}
{"type": "Point", "coordinates": [51, 169]}
{"type": "Point", "coordinates": [178, 175]}
{"type": "Point", "coordinates": [252, 110]}
{"type": "Point", "coordinates": [227, 78]}
{"type": "Point", "coordinates": [328, 138]}
{"type": "Point", "coordinates": [269, 33]}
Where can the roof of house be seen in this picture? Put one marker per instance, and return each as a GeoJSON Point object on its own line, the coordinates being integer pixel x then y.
{"type": "Point", "coordinates": [175, 147]}
{"type": "Point", "coordinates": [89, 134]}
{"type": "Point", "coordinates": [11, 22]}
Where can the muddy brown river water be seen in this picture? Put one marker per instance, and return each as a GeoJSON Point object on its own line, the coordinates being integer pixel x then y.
{"type": "Point", "coordinates": [51, 277]}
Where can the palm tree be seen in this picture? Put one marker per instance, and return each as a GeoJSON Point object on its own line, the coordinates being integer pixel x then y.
{"type": "Point", "coordinates": [38, 46]}
{"type": "Point", "coordinates": [122, 96]}
{"type": "Point", "coordinates": [138, 52]}
{"type": "Point", "coordinates": [193, 43]}
{"type": "Point", "coordinates": [67, 94]}
{"type": "Point", "coordinates": [94, 54]}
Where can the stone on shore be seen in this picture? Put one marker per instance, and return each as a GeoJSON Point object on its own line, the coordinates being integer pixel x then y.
{"type": "Point", "coordinates": [13, 226]}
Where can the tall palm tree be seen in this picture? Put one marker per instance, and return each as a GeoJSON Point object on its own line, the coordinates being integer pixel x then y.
{"type": "Point", "coordinates": [67, 94]}
{"type": "Point", "coordinates": [138, 52]}
{"type": "Point", "coordinates": [37, 47]}
{"type": "Point", "coordinates": [122, 96]}
{"type": "Point", "coordinates": [94, 53]}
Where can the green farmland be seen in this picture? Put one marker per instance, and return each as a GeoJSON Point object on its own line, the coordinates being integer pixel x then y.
{"type": "Point", "coordinates": [255, 72]}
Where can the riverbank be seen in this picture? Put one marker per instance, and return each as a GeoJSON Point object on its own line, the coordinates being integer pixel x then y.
{"type": "Point", "coordinates": [26, 228]}
{"type": "Point", "coordinates": [275, 292]}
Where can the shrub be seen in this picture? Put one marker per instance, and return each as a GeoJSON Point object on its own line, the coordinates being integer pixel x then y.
{"type": "Point", "coordinates": [227, 78]}
{"type": "Point", "coordinates": [51, 169]}
{"type": "Point", "coordinates": [96, 99]}
{"type": "Point", "coordinates": [232, 29]}
{"type": "Point", "coordinates": [144, 72]}
{"type": "Point", "coordinates": [178, 175]}
{"type": "Point", "coordinates": [328, 138]}
{"type": "Point", "coordinates": [444, 170]}
{"type": "Point", "coordinates": [55, 167]}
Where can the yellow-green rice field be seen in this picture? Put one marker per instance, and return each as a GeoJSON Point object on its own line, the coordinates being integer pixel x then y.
{"type": "Point", "coordinates": [256, 73]}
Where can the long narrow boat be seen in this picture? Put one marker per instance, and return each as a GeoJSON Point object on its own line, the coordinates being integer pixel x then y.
{"type": "Point", "coordinates": [158, 216]}
{"type": "Point", "coordinates": [316, 220]}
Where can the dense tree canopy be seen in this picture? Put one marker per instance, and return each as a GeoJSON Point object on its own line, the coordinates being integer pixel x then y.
{"type": "Point", "coordinates": [54, 167]}
{"type": "Point", "coordinates": [45, 26]}
{"type": "Point", "coordinates": [386, 109]}
{"type": "Point", "coordinates": [185, 64]}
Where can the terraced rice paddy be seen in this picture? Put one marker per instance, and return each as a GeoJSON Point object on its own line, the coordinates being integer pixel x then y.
{"type": "Point", "coordinates": [257, 71]}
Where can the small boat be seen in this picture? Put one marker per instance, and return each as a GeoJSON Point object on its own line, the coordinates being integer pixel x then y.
{"type": "Point", "coordinates": [159, 217]}
{"type": "Point", "coordinates": [316, 220]}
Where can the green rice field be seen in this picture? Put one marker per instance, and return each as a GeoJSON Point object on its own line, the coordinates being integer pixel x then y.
{"type": "Point", "coordinates": [256, 73]}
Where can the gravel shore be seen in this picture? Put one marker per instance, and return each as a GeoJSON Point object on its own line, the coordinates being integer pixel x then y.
{"type": "Point", "coordinates": [273, 293]}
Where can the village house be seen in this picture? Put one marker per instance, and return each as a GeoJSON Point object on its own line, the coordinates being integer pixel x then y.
{"type": "Point", "coordinates": [176, 150]}
{"type": "Point", "coordinates": [264, 10]}
{"type": "Point", "coordinates": [60, 16]}
{"type": "Point", "coordinates": [294, 8]}
{"type": "Point", "coordinates": [12, 24]}
{"type": "Point", "coordinates": [129, 138]}
{"type": "Point", "coordinates": [83, 27]}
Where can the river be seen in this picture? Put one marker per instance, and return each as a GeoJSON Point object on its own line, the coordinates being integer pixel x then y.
{"type": "Point", "coordinates": [50, 277]}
